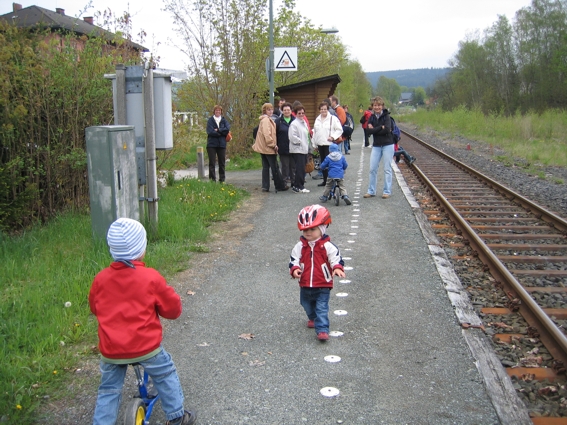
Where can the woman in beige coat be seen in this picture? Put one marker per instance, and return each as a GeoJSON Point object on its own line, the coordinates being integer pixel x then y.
{"type": "Point", "coordinates": [266, 145]}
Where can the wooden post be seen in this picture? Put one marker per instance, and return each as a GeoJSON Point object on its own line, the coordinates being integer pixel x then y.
{"type": "Point", "coordinates": [200, 162]}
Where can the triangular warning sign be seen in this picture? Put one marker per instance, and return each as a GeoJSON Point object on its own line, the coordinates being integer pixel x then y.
{"type": "Point", "coordinates": [285, 62]}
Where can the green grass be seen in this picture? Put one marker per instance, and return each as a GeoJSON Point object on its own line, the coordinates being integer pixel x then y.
{"type": "Point", "coordinates": [42, 339]}
{"type": "Point", "coordinates": [538, 139]}
{"type": "Point", "coordinates": [184, 152]}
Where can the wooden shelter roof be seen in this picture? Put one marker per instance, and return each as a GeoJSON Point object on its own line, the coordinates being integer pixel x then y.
{"type": "Point", "coordinates": [310, 93]}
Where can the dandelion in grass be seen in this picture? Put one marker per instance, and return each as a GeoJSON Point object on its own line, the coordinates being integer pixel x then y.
{"type": "Point", "coordinates": [18, 407]}
{"type": "Point", "coordinates": [68, 304]}
{"type": "Point", "coordinates": [55, 372]}
{"type": "Point", "coordinates": [62, 343]}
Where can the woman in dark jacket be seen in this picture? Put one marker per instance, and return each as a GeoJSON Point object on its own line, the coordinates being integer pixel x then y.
{"type": "Point", "coordinates": [380, 127]}
{"type": "Point", "coordinates": [282, 136]}
{"type": "Point", "coordinates": [217, 129]}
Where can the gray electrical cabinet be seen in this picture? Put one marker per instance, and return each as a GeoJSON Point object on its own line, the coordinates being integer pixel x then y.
{"type": "Point", "coordinates": [113, 179]}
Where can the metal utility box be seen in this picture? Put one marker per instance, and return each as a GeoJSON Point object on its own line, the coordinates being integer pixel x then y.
{"type": "Point", "coordinates": [163, 114]}
{"type": "Point", "coordinates": [113, 179]}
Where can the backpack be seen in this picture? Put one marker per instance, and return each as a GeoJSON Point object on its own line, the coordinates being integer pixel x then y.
{"type": "Point", "coordinates": [395, 130]}
{"type": "Point", "coordinates": [348, 128]}
{"type": "Point", "coordinates": [255, 132]}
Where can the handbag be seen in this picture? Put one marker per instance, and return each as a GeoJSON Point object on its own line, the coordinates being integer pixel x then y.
{"type": "Point", "coordinates": [310, 165]}
{"type": "Point", "coordinates": [228, 137]}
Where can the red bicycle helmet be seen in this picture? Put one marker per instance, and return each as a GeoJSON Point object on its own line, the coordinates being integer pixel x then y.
{"type": "Point", "coordinates": [313, 216]}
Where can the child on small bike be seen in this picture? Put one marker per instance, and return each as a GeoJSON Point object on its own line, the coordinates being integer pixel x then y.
{"type": "Point", "coordinates": [336, 163]}
{"type": "Point", "coordinates": [127, 299]}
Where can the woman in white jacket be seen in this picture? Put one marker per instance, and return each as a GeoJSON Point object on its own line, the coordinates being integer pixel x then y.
{"type": "Point", "coordinates": [299, 148]}
{"type": "Point", "coordinates": [326, 131]}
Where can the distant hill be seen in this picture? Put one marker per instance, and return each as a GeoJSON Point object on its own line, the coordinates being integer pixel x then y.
{"type": "Point", "coordinates": [410, 78]}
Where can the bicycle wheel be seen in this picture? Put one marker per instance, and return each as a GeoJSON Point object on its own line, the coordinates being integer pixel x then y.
{"type": "Point", "coordinates": [337, 196]}
{"type": "Point", "coordinates": [135, 412]}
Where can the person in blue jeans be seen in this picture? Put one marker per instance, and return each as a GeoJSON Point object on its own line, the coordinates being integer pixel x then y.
{"type": "Point", "coordinates": [380, 127]}
{"type": "Point", "coordinates": [127, 299]}
{"type": "Point", "coordinates": [315, 260]}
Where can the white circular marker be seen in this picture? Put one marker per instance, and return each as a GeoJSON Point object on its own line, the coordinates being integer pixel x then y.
{"type": "Point", "coordinates": [350, 241]}
{"type": "Point", "coordinates": [330, 392]}
{"type": "Point", "coordinates": [344, 281]}
{"type": "Point", "coordinates": [332, 359]}
{"type": "Point", "coordinates": [340, 312]}
{"type": "Point", "coordinates": [354, 227]}
{"type": "Point", "coordinates": [342, 294]}
{"type": "Point", "coordinates": [348, 268]}
{"type": "Point", "coordinates": [336, 334]}
{"type": "Point", "coordinates": [347, 258]}
{"type": "Point", "coordinates": [352, 234]}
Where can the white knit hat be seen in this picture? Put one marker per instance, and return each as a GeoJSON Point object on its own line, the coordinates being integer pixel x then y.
{"type": "Point", "coordinates": [126, 239]}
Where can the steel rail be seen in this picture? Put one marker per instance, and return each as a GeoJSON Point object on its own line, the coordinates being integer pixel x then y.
{"type": "Point", "coordinates": [546, 215]}
{"type": "Point", "coordinates": [549, 333]}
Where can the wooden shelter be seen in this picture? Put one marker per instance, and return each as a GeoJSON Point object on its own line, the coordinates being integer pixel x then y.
{"type": "Point", "coordinates": [310, 93]}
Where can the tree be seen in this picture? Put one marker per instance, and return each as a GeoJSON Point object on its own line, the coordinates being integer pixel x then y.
{"type": "Point", "coordinates": [389, 90]}
{"type": "Point", "coordinates": [514, 67]}
{"type": "Point", "coordinates": [226, 44]}
{"type": "Point", "coordinates": [419, 96]}
{"type": "Point", "coordinates": [51, 91]}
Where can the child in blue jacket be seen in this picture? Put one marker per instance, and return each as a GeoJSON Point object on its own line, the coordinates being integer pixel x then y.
{"type": "Point", "coordinates": [336, 163]}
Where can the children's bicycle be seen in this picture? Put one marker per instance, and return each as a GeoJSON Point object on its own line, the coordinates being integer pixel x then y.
{"type": "Point", "coordinates": [139, 409]}
{"type": "Point", "coordinates": [335, 192]}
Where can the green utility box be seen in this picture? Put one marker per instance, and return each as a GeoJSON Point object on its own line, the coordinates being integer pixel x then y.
{"type": "Point", "coordinates": [113, 179]}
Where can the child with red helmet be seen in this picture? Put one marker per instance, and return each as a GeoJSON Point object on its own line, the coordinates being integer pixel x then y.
{"type": "Point", "coordinates": [315, 260]}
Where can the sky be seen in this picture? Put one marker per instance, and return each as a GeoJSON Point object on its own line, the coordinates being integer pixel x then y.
{"type": "Point", "coordinates": [401, 34]}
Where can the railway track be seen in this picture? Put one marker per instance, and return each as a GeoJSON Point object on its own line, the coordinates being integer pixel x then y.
{"type": "Point", "coordinates": [512, 258]}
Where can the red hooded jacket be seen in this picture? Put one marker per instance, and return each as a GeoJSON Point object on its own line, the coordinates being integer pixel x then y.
{"type": "Point", "coordinates": [127, 303]}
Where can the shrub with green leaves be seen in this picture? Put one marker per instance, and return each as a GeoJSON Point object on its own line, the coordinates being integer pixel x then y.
{"type": "Point", "coordinates": [52, 87]}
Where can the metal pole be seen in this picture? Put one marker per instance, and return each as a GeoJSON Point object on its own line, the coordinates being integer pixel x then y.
{"type": "Point", "coordinates": [151, 169]}
{"type": "Point", "coordinates": [272, 65]}
{"type": "Point", "coordinates": [120, 113]}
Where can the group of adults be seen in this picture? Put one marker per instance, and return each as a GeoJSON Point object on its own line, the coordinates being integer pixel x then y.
{"type": "Point", "coordinates": [286, 133]}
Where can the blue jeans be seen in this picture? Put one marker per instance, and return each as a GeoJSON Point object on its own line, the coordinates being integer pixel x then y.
{"type": "Point", "coordinates": [164, 376]}
{"type": "Point", "coordinates": [377, 153]}
{"type": "Point", "coordinates": [315, 302]}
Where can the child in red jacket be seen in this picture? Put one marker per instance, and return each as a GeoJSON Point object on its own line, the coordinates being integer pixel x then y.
{"type": "Point", "coordinates": [127, 299]}
{"type": "Point", "coordinates": [315, 261]}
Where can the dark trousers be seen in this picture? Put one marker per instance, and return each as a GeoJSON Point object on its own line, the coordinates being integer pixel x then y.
{"type": "Point", "coordinates": [288, 166]}
{"type": "Point", "coordinates": [300, 159]}
{"type": "Point", "coordinates": [213, 154]}
{"type": "Point", "coordinates": [270, 162]}
{"type": "Point", "coordinates": [323, 152]}
{"type": "Point", "coordinates": [366, 139]}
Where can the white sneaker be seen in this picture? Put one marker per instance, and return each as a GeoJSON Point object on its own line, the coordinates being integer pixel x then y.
{"type": "Point", "coordinates": [303, 190]}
